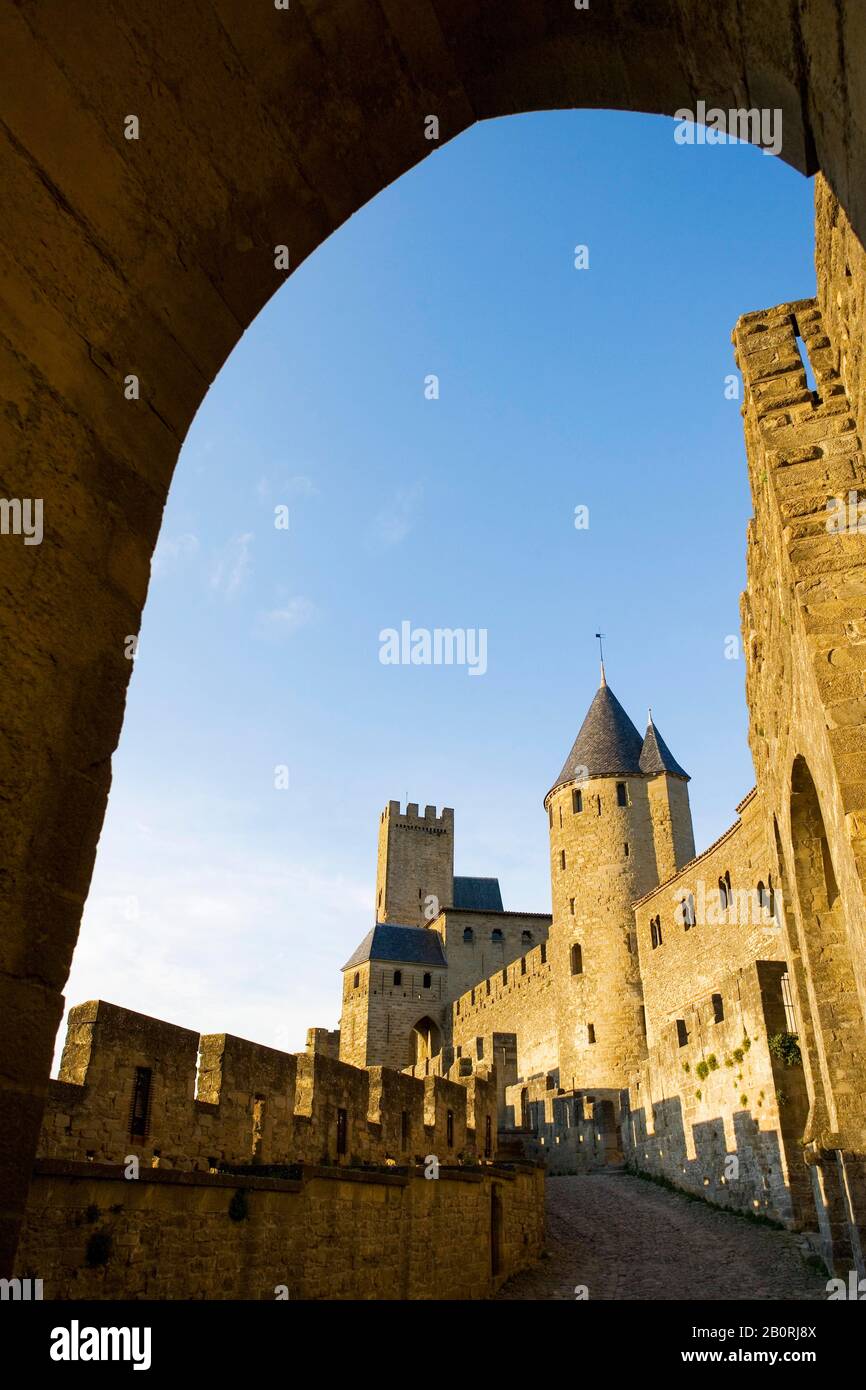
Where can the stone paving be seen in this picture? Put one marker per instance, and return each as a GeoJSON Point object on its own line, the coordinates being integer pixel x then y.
{"type": "Point", "coordinates": [625, 1238]}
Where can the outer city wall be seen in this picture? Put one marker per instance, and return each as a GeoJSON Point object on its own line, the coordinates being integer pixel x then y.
{"type": "Point", "coordinates": [335, 1227]}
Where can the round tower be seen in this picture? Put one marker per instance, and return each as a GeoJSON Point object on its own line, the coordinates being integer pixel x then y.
{"type": "Point", "coordinates": [602, 858]}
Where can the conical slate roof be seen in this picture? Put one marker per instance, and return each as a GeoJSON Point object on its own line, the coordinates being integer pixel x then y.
{"type": "Point", "coordinates": [608, 744]}
{"type": "Point", "coordinates": [656, 756]}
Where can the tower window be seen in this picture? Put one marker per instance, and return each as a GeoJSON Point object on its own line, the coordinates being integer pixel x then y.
{"type": "Point", "coordinates": [682, 1032]}
{"type": "Point", "coordinates": [428, 979]}
{"type": "Point", "coordinates": [357, 979]}
{"type": "Point", "coordinates": [560, 817]}
{"type": "Point", "coordinates": [718, 1009]}
{"type": "Point", "coordinates": [688, 910]}
{"type": "Point", "coordinates": [550, 816]}
{"type": "Point", "coordinates": [523, 965]}
{"type": "Point", "coordinates": [526, 937]}
{"type": "Point", "coordinates": [621, 794]}
{"type": "Point", "coordinates": [398, 977]}
{"type": "Point", "coordinates": [571, 905]}
{"type": "Point", "coordinates": [590, 1032]}
{"type": "Point", "coordinates": [139, 1119]}
{"type": "Point", "coordinates": [655, 931]}
{"type": "Point", "coordinates": [468, 934]}
{"type": "Point", "coordinates": [577, 959]}
{"type": "Point", "coordinates": [562, 859]}
{"type": "Point", "coordinates": [598, 801]}
{"type": "Point", "coordinates": [576, 801]}
{"type": "Point", "coordinates": [496, 935]}
{"type": "Point", "coordinates": [625, 849]}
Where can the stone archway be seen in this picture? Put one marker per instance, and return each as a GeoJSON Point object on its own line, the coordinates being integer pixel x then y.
{"type": "Point", "coordinates": [425, 1041]}
{"type": "Point", "coordinates": [836, 1029]}
{"type": "Point", "coordinates": [160, 166]}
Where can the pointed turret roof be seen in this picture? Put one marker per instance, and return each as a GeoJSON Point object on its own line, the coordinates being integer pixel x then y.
{"type": "Point", "coordinates": [656, 756]}
{"type": "Point", "coordinates": [608, 744]}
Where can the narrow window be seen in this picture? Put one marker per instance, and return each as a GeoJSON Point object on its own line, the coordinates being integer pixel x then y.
{"type": "Point", "coordinates": [357, 979]}
{"type": "Point", "coordinates": [590, 1032]}
{"type": "Point", "coordinates": [404, 1130]}
{"type": "Point", "coordinates": [761, 892]}
{"type": "Point", "coordinates": [718, 1009]}
{"type": "Point", "coordinates": [723, 896]}
{"type": "Point", "coordinates": [505, 975]}
{"type": "Point", "coordinates": [598, 800]}
{"type": "Point", "coordinates": [450, 1128]}
{"type": "Point", "coordinates": [526, 938]}
{"type": "Point", "coordinates": [771, 897]}
{"type": "Point", "coordinates": [258, 1125]}
{"type": "Point", "coordinates": [487, 986]}
{"type": "Point", "coordinates": [689, 914]}
{"type": "Point", "coordinates": [560, 817]}
{"type": "Point", "coordinates": [543, 954]}
{"type": "Point", "coordinates": [577, 959]}
{"type": "Point", "coordinates": [562, 858]}
{"type": "Point", "coordinates": [576, 800]}
{"type": "Point", "coordinates": [468, 934]}
{"type": "Point", "coordinates": [342, 1130]}
{"type": "Point", "coordinates": [140, 1111]}
{"type": "Point", "coordinates": [621, 794]}
{"type": "Point", "coordinates": [550, 815]}
{"type": "Point", "coordinates": [523, 965]}
{"type": "Point", "coordinates": [496, 935]}
{"type": "Point", "coordinates": [571, 905]}
{"type": "Point", "coordinates": [787, 1000]}
{"type": "Point", "coordinates": [428, 979]}
{"type": "Point", "coordinates": [682, 1032]}
{"type": "Point", "coordinates": [659, 929]}
{"type": "Point", "coordinates": [398, 977]}
{"type": "Point", "coordinates": [488, 1137]}
{"type": "Point", "coordinates": [654, 940]}
{"type": "Point", "coordinates": [625, 848]}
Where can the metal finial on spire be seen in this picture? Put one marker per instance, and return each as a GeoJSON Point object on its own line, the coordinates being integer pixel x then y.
{"type": "Point", "coordinates": [600, 636]}
{"type": "Point", "coordinates": [650, 714]}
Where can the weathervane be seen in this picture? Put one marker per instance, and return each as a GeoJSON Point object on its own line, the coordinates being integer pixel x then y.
{"type": "Point", "coordinates": [600, 636]}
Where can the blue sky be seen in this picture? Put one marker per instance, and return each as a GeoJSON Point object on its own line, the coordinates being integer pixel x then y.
{"type": "Point", "coordinates": [224, 903]}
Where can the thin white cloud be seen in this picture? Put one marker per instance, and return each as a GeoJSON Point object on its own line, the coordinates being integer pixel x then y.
{"type": "Point", "coordinates": [232, 566]}
{"type": "Point", "coordinates": [392, 525]}
{"type": "Point", "coordinates": [172, 551]}
{"type": "Point", "coordinates": [282, 622]}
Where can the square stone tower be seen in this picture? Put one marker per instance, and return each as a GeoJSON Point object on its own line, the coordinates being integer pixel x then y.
{"type": "Point", "coordinates": [415, 865]}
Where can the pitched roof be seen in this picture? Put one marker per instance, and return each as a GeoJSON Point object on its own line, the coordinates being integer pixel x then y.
{"type": "Point", "coordinates": [477, 894]}
{"type": "Point", "coordinates": [409, 945]}
{"type": "Point", "coordinates": [656, 756]}
{"type": "Point", "coordinates": [608, 743]}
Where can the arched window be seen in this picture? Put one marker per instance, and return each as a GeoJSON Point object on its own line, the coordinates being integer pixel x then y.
{"type": "Point", "coordinates": [526, 937]}
{"type": "Point", "coordinates": [577, 959]}
{"type": "Point", "coordinates": [468, 934]}
{"type": "Point", "coordinates": [496, 934]}
{"type": "Point", "coordinates": [357, 979]}
{"type": "Point", "coordinates": [621, 794]}
{"type": "Point", "coordinates": [762, 897]}
{"type": "Point", "coordinates": [428, 979]}
{"type": "Point", "coordinates": [723, 896]}
{"type": "Point", "coordinates": [576, 800]}
{"type": "Point", "coordinates": [654, 940]}
{"type": "Point", "coordinates": [398, 977]}
{"type": "Point", "coordinates": [688, 911]}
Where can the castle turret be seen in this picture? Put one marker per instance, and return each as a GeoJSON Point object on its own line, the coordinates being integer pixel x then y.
{"type": "Point", "coordinates": [668, 790]}
{"type": "Point", "coordinates": [602, 857]}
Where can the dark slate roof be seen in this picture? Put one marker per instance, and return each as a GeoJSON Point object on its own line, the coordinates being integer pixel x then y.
{"type": "Point", "coordinates": [608, 743]}
{"type": "Point", "coordinates": [656, 756]}
{"type": "Point", "coordinates": [477, 894]}
{"type": "Point", "coordinates": [410, 945]}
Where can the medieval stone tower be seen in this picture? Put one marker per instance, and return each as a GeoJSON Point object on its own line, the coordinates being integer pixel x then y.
{"type": "Point", "coordinates": [415, 864]}
{"type": "Point", "coordinates": [619, 819]}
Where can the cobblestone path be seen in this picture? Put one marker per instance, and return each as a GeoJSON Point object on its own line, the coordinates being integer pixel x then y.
{"type": "Point", "coordinates": [625, 1238]}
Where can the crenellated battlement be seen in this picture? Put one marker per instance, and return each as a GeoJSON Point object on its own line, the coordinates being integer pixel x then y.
{"type": "Point", "coordinates": [130, 1084]}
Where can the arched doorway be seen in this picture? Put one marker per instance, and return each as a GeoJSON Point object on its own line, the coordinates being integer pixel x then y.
{"type": "Point", "coordinates": [831, 988]}
{"type": "Point", "coordinates": [425, 1041]}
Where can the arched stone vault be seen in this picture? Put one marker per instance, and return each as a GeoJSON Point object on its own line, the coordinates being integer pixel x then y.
{"type": "Point", "coordinates": [258, 127]}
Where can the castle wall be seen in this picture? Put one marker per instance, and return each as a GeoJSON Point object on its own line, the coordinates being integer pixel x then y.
{"type": "Point", "coordinates": [252, 1104]}
{"type": "Point", "coordinates": [415, 864]}
{"type": "Point", "coordinates": [519, 999]}
{"type": "Point", "coordinates": [470, 962]}
{"type": "Point", "coordinates": [720, 1116]}
{"type": "Point", "coordinates": [336, 1234]}
{"type": "Point", "coordinates": [690, 962]}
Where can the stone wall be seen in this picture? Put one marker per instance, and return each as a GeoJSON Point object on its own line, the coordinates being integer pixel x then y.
{"type": "Point", "coordinates": [247, 1104]}
{"type": "Point", "coordinates": [519, 999]}
{"type": "Point", "coordinates": [691, 961]}
{"type": "Point", "coordinates": [334, 1234]}
{"type": "Point", "coordinates": [470, 962]}
{"type": "Point", "coordinates": [687, 1126]}
{"type": "Point", "coordinates": [378, 1016]}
